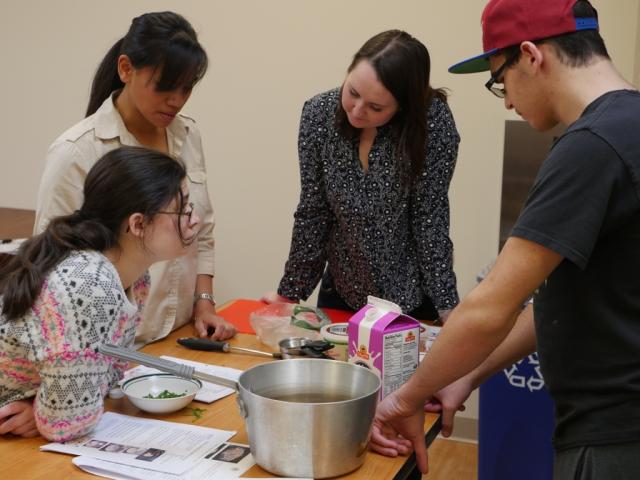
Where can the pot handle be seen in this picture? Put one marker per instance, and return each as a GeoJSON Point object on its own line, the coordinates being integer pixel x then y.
{"type": "Point", "coordinates": [179, 369]}
{"type": "Point", "coordinates": [242, 407]}
{"type": "Point", "coordinates": [225, 382]}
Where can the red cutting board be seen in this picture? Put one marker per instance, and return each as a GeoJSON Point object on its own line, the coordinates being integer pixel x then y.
{"type": "Point", "coordinates": [237, 312]}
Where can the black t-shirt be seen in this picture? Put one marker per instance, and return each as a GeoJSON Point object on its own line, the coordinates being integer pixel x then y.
{"type": "Point", "coordinates": [585, 205]}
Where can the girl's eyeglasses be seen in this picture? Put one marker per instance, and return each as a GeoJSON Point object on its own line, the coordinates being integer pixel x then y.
{"type": "Point", "coordinates": [181, 214]}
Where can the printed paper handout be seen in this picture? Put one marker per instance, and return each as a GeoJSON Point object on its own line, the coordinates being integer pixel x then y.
{"type": "Point", "coordinates": [229, 460]}
{"type": "Point", "coordinates": [151, 445]}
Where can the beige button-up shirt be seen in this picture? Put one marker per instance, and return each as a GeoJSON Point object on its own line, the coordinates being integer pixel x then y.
{"type": "Point", "coordinates": [70, 157]}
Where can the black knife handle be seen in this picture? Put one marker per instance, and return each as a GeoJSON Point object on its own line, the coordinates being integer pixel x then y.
{"type": "Point", "coordinates": [204, 344]}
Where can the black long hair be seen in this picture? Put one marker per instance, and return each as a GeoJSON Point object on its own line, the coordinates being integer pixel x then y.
{"type": "Point", "coordinates": [162, 40]}
{"type": "Point", "coordinates": [125, 181]}
{"type": "Point", "coordinates": [403, 65]}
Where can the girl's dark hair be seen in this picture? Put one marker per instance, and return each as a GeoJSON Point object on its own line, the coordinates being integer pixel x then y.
{"type": "Point", "coordinates": [125, 181]}
{"type": "Point", "coordinates": [162, 40]}
{"type": "Point", "coordinates": [403, 65]}
{"type": "Point", "coordinates": [575, 49]}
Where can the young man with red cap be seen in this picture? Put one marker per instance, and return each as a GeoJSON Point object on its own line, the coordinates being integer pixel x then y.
{"type": "Point", "coordinates": [576, 247]}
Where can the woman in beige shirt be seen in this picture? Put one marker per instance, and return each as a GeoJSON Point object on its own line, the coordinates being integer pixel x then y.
{"type": "Point", "coordinates": [136, 97]}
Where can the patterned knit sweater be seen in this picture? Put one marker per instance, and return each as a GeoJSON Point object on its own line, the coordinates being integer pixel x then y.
{"type": "Point", "coordinates": [51, 352]}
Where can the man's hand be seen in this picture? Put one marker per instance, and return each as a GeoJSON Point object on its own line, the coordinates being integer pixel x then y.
{"type": "Point", "coordinates": [17, 418]}
{"type": "Point", "coordinates": [397, 427]}
{"type": "Point", "coordinates": [449, 401]}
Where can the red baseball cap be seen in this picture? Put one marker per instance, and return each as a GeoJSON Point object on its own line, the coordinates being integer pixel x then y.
{"type": "Point", "coordinates": [511, 22]}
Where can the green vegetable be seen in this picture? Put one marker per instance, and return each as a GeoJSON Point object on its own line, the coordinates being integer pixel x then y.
{"type": "Point", "coordinates": [196, 412]}
{"type": "Point", "coordinates": [165, 394]}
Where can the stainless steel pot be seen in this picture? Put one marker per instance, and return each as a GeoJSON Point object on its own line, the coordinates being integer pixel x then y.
{"type": "Point", "coordinates": [308, 417]}
{"type": "Point", "coordinates": [304, 417]}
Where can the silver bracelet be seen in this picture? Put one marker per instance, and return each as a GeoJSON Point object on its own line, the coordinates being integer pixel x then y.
{"type": "Point", "coordinates": [204, 296]}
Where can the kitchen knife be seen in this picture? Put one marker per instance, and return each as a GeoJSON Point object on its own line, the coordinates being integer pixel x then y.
{"type": "Point", "coordinates": [214, 346]}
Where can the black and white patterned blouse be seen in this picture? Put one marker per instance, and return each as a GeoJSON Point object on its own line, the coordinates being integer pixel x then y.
{"type": "Point", "coordinates": [376, 237]}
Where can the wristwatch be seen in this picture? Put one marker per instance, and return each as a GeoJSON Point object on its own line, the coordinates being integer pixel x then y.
{"type": "Point", "coordinates": [204, 296]}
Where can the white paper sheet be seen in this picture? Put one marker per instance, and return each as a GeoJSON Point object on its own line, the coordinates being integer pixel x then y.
{"type": "Point", "coordinates": [122, 472]}
{"type": "Point", "coordinates": [228, 461]}
{"type": "Point", "coordinates": [210, 392]}
{"type": "Point", "coordinates": [155, 445]}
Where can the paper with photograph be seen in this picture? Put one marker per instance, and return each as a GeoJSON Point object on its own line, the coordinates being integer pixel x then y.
{"type": "Point", "coordinates": [123, 472]}
{"type": "Point", "coordinates": [226, 461]}
{"type": "Point", "coordinates": [149, 444]}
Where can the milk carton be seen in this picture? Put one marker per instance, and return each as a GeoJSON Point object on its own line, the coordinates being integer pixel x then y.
{"type": "Point", "coordinates": [384, 340]}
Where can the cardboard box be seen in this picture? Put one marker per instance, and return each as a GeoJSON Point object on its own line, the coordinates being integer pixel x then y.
{"type": "Point", "coordinates": [384, 340]}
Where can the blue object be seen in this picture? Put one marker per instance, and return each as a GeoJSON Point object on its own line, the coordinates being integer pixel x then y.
{"type": "Point", "coordinates": [516, 425]}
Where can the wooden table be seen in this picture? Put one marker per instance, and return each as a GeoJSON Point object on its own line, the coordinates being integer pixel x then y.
{"type": "Point", "coordinates": [16, 223]}
{"type": "Point", "coordinates": [21, 458]}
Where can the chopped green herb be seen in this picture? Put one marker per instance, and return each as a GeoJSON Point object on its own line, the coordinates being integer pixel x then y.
{"type": "Point", "coordinates": [165, 394]}
{"type": "Point", "coordinates": [196, 412]}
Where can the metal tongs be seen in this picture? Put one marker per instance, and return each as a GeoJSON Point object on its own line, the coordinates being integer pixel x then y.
{"type": "Point", "coordinates": [296, 347]}
{"type": "Point", "coordinates": [168, 366]}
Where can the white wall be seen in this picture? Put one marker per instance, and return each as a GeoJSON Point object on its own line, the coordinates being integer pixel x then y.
{"type": "Point", "coordinates": [267, 57]}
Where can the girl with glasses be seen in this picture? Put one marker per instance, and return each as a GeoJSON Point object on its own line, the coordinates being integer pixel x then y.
{"type": "Point", "coordinates": [82, 283]}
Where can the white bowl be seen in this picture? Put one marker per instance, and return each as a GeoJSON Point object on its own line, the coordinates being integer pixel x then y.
{"type": "Point", "coordinates": [137, 388]}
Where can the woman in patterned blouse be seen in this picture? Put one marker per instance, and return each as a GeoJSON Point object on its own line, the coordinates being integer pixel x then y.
{"type": "Point", "coordinates": [376, 159]}
{"type": "Point", "coordinates": [81, 283]}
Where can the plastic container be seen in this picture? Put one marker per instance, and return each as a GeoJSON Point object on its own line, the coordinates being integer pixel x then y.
{"type": "Point", "coordinates": [336, 334]}
{"type": "Point", "coordinates": [515, 425]}
{"type": "Point", "coordinates": [428, 334]}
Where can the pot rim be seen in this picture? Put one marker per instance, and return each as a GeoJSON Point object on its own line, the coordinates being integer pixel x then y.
{"type": "Point", "coordinates": [245, 389]}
